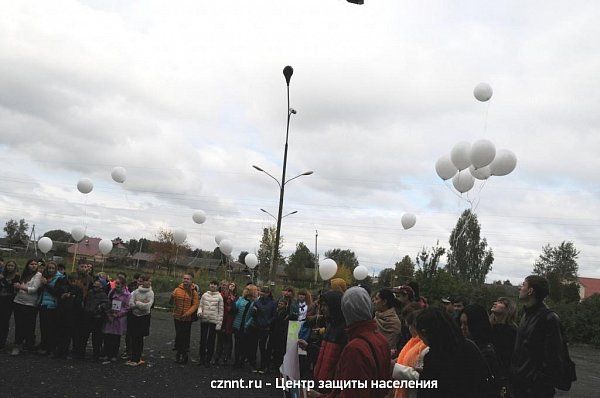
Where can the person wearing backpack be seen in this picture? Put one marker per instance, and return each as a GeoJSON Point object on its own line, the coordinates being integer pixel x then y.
{"type": "Point", "coordinates": [540, 361]}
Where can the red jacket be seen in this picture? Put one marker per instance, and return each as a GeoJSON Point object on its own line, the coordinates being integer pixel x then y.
{"type": "Point", "coordinates": [359, 361]}
{"type": "Point", "coordinates": [228, 303]}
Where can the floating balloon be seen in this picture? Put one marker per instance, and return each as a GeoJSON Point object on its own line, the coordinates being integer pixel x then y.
{"type": "Point", "coordinates": [408, 220]}
{"type": "Point", "coordinates": [199, 217]}
{"type": "Point", "coordinates": [45, 244]}
{"type": "Point", "coordinates": [504, 163]}
{"type": "Point", "coordinates": [251, 260]}
{"type": "Point", "coordinates": [360, 272]}
{"type": "Point", "coordinates": [226, 247]}
{"type": "Point", "coordinates": [118, 174]}
{"type": "Point", "coordinates": [482, 153]}
{"type": "Point", "coordinates": [77, 233]}
{"type": "Point", "coordinates": [105, 246]}
{"type": "Point", "coordinates": [461, 155]}
{"type": "Point", "coordinates": [463, 181]}
{"type": "Point", "coordinates": [327, 269]}
{"type": "Point", "coordinates": [179, 236]}
{"type": "Point", "coordinates": [85, 185]}
{"type": "Point", "coordinates": [445, 169]}
{"type": "Point", "coordinates": [219, 237]}
{"type": "Point", "coordinates": [481, 174]}
{"type": "Point", "coordinates": [483, 92]}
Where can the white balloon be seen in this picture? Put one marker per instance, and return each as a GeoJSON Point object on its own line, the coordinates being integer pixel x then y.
{"type": "Point", "coordinates": [327, 269]}
{"type": "Point", "coordinates": [463, 181]}
{"type": "Point", "coordinates": [461, 155]}
{"type": "Point", "coordinates": [504, 163]}
{"type": "Point", "coordinates": [199, 217]}
{"type": "Point", "coordinates": [45, 244]}
{"type": "Point", "coordinates": [483, 92]}
{"type": "Point", "coordinates": [219, 237]}
{"type": "Point", "coordinates": [408, 220]}
{"type": "Point", "coordinates": [481, 174]}
{"type": "Point", "coordinates": [105, 246]}
{"type": "Point", "coordinates": [251, 260]}
{"type": "Point", "coordinates": [77, 233]}
{"type": "Point", "coordinates": [360, 272]}
{"type": "Point", "coordinates": [179, 236]}
{"type": "Point", "coordinates": [226, 247]}
{"type": "Point", "coordinates": [85, 185]}
{"type": "Point", "coordinates": [482, 153]}
{"type": "Point", "coordinates": [118, 174]}
{"type": "Point", "coordinates": [445, 169]}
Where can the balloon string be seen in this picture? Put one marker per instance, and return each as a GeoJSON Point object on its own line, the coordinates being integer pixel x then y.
{"type": "Point", "coordinates": [485, 120]}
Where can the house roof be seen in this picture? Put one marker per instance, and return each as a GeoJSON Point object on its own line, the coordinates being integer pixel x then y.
{"type": "Point", "coordinates": [87, 247]}
{"type": "Point", "coordinates": [150, 257]}
{"type": "Point", "coordinates": [591, 285]}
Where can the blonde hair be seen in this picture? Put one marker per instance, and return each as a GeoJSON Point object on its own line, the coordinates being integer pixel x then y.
{"type": "Point", "coordinates": [250, 291]}
{"type": "Point", "coordinates": [509, 317]}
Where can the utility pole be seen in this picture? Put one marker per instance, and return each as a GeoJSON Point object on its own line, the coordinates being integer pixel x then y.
{"type": "Point", "coordinates": [139, 251]}
{"type": "Point", "coordinates": [32, 238]}
{"type": "Point", "coordinates": [316, 255]}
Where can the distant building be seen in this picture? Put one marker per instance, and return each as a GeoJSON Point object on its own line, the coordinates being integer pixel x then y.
{"type": "Point", "coordinates": [88, 250]}
{"type": "Point", "coordinates": [588, 287]}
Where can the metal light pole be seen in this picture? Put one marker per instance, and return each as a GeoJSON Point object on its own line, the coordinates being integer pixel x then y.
{"type": "Point", "coordinates": [287, 73]}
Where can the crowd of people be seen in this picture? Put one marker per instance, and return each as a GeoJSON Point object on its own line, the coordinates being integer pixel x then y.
{"type": "Point", "coordinates": [71, 307]}
{"type": "Point", "coordinates": [345, 333]}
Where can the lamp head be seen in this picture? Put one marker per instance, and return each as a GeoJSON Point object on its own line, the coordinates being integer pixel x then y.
{"type": "Point", "coordinates": [307, 173]}
{"type": "Point", "coordinates": [288, 71]}
{"type": "Point", "coordinates": [257, 168]}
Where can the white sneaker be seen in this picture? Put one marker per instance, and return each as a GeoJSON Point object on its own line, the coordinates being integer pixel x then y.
{"type": "Point", "coordinates": [15, 351]}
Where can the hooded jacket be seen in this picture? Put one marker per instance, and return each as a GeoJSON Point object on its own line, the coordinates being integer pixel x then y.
{"type": "Point", "coordinates": [210, 309]}
{"type": "Point", "coordinates": [242, 322]}
{"type": "Point", "coordinates": [265, 312]}
{"type": "Point", "coordinates": [96, 303]}
{"type": "Point", "coordinates": [185, 303]}
{"type": "Point", "coordinates": [141, 300]}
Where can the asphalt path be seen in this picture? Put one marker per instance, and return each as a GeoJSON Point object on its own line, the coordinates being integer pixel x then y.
{"type": "Point", "coordinates": [31, 375]}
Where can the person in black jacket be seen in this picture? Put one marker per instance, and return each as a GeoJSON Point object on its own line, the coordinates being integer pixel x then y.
{"type": "Point", "coordinates": [475, 325]}
{"type": "Point", "coordinates": [453, 361]}
{"type": "Point", "coordinates": [537, 359]}
{"type": "Point", "coordinates": [95, 306]}
{"type": "Point", "coordinates": [504, 330]}
{"type": "Point", "coordinates": [8, 277]}
{"type": "Point", "coordinates": [70, 308]}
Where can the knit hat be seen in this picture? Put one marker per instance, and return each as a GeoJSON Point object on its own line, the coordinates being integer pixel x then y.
{"type": "Point", "coordinates": [357, 305]}
{"type": "Point", "coordinates": [338, 284]}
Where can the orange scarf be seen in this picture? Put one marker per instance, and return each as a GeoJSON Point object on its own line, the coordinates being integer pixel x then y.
{"type": "Point", "coordinates": [408, 357]}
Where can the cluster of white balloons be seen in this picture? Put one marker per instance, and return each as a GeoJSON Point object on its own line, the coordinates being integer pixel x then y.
{"type": "Point", "coordinates": [118, 174]}
{"type": "Point", "coordinates": [477, 161]}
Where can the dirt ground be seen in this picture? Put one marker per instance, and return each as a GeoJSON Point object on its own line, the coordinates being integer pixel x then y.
{"type": "Point", "coordinates": [30, 375]}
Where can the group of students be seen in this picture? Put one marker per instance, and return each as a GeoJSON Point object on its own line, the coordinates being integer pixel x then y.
{"type": "Point", "coordinates": [71, 308]}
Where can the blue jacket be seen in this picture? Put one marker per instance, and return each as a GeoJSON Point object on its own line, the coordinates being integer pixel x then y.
{"type": "Point", "coordinates": [265, 312]}
{"type": "Point", "coordinates": [240, 307]}
{"type": "Point", "coordinates": [48, 297]}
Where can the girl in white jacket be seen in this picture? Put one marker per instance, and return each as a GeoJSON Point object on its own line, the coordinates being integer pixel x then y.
{"type": "Point", "coordinates": [140, 305]}
{"type": "Point", "coordinates": [210, 313]}
{"type": "Point", "coordinates": [26, 302]}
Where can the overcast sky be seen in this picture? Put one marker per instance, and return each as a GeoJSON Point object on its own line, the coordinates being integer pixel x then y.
{"type": "Point", "coordinates": [187, 95]}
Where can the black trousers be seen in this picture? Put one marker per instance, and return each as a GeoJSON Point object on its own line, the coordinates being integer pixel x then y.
{"type": "Point", "coordinates": [89, 325]}
{"type": "Point", "coordinates": [112, 342]}
{"type": "Point", "coordinates": [66, 334]}
{"type": "Point", "coordinates": [224, 346]}
{"type": "Point", "coordinates": [265, 355]}
{"type": "Point", "coordinates": [242, 349]}
{"type": "Point", "coordinates": [182, 336]}
{"type": "Point", "coordinates": [25, 317]}
{"type": "Point", "coordinates": [208, 334]}
{"type": "Point", "coordinates": [137, 347]}
{"type": "Point", "coordinates": [252, 345]}
{"type": "Point", "coordinates": [276, 347]}
{"type": "Point", "coordinates": [48, 328]}
{"type": "Point", "coordinates": [6, 310]}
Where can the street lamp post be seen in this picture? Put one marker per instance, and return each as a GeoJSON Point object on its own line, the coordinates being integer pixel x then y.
{"type": "Point", "coordinates": [287, 73]}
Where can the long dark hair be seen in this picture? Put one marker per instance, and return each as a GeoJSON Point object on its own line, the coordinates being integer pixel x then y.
{"type": "Point", "coordinates": [27, 273]}
{"type": "Point", "coordinates": [442, 334]}
{"type": "Point", "coordinates": [390, 300]}
{"type": "Point", "coordinates": [15, 272]}
{"type": "Point", "coordinates": [480, 329]}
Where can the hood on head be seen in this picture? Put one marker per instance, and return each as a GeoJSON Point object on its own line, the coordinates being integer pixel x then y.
{"type": "Point", "coordinates": [357, 305]}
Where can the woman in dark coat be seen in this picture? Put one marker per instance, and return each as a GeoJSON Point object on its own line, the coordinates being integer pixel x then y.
{"type": "Point", "coordinates": [334, 338]}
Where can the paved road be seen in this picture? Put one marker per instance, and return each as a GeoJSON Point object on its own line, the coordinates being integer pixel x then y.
{"type": "Point", "coordinates": [33, 376]}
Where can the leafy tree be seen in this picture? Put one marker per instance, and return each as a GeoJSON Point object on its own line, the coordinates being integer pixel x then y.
{"type": "Point", "coordinates": [266, 252]}
{"type": "Point", "coordinates": [428, 261]}
{"type": "Point", "coordinates": [469, 258]}
{"type": "Point", "coordinates": [345, 273]}
{"type": "Point", "coordinates": [559, 265]}
{"type": "Point", "coordinates": [167, 250]}
{"type": "Point", "coordinates": [298, 262]}
{"type": "Point", "coordinates": [404, 270]}
{"type": "Point", "coordinates": [343, 257]}
{"type": "Point", "coordinates": [242, 257]}
{"type": "Point", "coordinates": [58, 235]}
{"type": "Point", "coordinates": [386, 277]}
{"type": "Point", "coordinates": [16, 232]}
